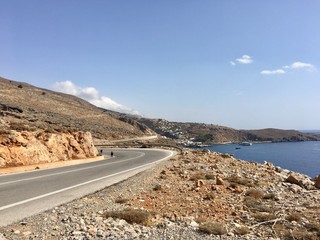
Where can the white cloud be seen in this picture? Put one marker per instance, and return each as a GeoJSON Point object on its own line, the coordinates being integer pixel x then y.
{"type": "Point", "coordinates": [301, 65]}
{"type": "Point", "coordinates": [91, 95]}
{"type": "Point", "coordinates": [232, 63]}
{"type": "Point", "coordinates": [295, 65]}
{"type": "Point", "coordinates": [270, 72]}
{"type": "Point", "coordinates": [245, 59]}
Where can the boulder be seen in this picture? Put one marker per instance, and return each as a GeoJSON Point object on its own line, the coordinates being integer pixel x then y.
{"type": "Point", "coordinates": [300, 180]}
{"type": "Point", "coordinates": [317, 182]}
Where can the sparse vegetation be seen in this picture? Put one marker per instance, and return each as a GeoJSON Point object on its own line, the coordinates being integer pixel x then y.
{"type": "Point", "coordinates": [213, 228]}
{"type": "Point", "coordinates": [294, 217]}
{"type": "Point", "coordinates": [314, 227]}
{"type": "Point", "coordinates": [198, 176]}
{"type": "Point", "coordinates": [262, 217]}
{"type": "Point", "coordinates": [234, 180]}
{"type": "Point", "coordinates": [254, 193]}
{"type": "Point", "coordinates": [243, 230]}
{"type": "Point", "coordinates": [210, 176]}
{"type": "Point", "coordinates": [121, 200]}
{"type": "Point", "coordinates": [158, 187]}
{"type": "Point", "coordinates": [138, 216]}
{"type": "Point", "coordinates": [256, 205]}
{"type": "Point", "coordinates": [209, 196]}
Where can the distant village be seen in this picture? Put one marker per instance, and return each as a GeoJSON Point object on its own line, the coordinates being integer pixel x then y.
{"type": "Point", "coordinates": [173, 131]}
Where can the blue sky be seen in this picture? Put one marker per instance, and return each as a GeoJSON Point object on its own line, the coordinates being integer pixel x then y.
{"type": "Point", "coordinates": [242, 64]}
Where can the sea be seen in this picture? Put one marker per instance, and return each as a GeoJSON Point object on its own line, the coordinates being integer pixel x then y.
{"type": "Point", "coordinates": [302, 157]}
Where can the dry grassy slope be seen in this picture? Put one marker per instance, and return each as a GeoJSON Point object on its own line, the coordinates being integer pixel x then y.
{"type": "Point", "coordinates": [54, 111]}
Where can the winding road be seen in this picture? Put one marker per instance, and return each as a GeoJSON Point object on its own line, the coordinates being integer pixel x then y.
{"type": "Point", "coordinates": [29, 193]}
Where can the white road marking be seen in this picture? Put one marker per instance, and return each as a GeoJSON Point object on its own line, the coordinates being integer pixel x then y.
{"type": "Point", "coordinates": [81, 184]}
{"type": "Point", "coordinates": [70, 171]}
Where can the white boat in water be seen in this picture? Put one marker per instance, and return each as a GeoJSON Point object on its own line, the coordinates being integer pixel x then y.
{"type": "Point", "coordinates": [245, 143]}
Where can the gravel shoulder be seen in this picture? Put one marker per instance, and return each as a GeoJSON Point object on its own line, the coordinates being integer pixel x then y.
{"type": "Point", "coordinates": [196, 195]}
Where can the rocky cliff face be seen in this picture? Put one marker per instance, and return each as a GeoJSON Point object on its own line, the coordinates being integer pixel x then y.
{"type": "Point", "coordinates": [26, 148]}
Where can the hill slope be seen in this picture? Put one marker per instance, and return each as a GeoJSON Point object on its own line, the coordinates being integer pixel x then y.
{"type": "Point", "coordinates": [39, 126]}
{"type": "Point", "coordinates": [27, 107]}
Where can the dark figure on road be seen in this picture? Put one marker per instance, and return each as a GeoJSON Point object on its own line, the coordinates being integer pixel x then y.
{"type": "Point", "coordinates": [111, 154]}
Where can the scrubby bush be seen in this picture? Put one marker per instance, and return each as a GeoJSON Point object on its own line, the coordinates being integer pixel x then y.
{"type": "Point", "coordinates": [254, 193]}
{"type": "Point", "coordinates": [262, 217]}
{"type": "Point", "coordinates": [243, 230]}
{"type": "Point", "coordinates": [138, 216]}
{"type": "Point", "coordinates": [234, 180]}
{"type": "Point", "coordinates": [294, 217]}
{"type": "Point", "coordinates": [213, 228]}
{"type": "Point", "coordinates": [121, 200]}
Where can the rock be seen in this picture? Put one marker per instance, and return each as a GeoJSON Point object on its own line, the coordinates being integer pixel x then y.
{"type": "Point", "coordinates": [300, 180]}
{"type": "Point", "coordinates": [317, 182]}
{"type": "Point", "coordinates": [27, 233]}
{"type": "Point", "coordinates": [26, 148]}
{"type": "Point", "coordinates": [219, 181]}
{"type": "Point", "coordinates": [76, 233]}
{"type": "Point", "coordinates": [199, 183]}
{"type": "Point", "coordinates": [295, 188]}
{"type": "Point", "coordinates": [194, 224]}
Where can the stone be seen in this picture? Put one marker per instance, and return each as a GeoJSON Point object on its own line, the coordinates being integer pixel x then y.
{"type": "Point", "coordinates": [199, 183]}
{"type": "Point", "coordinates": [295, 188]}
{"type": "Point", "coordinates": [194, 224]}
{"type": "Point", "coordinates": [317, 182]}
{"type": "Point", "coordinates": [219, 181]}
{"type": "Point", "coordinates": [27, 148]}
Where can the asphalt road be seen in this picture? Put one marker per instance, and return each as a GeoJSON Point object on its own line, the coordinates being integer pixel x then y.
{"type": "Point", "coordinates": [26, 194]}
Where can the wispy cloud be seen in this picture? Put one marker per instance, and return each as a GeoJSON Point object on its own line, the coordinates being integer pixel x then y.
{"type": "Point", "coordinates": [301, 65]}
{"type": "Point", "coordinates": [232, 63]}
{"type": "Point", "coordinates": [245, 59]}
{"type": "Point", "coordinates": [91, 95]}
{"type": "Point", "coordinates": [296, 65]}
{"type": "Point", "coordinates": [270, 72]}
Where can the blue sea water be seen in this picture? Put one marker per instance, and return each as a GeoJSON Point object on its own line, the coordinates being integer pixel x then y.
{"type": "Point", "coordinates": [303, 157]}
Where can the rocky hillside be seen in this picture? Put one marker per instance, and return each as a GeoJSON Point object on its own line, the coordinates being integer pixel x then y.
{"type": "Point", "coordinates": [38, 125]}
{"type": "Point", "coordinates": [27, 107]}
{"type": "Point", "coordinates": [200, 133]}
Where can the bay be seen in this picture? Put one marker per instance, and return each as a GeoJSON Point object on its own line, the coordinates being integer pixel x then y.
{"type": "Point", "coordinates": [302, 157]}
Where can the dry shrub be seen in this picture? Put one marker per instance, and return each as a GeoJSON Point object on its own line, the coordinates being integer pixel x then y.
{"type": "Point", "coordinates": [294, 217]}
{"type": "Point", "coordinates": [299, 235]}
{"type": "Point", "coordinates": [256, 205]}
{"type": "Point", "coordinates": [254, 193]}
{"type": "Point", "coordinates": [243, 230]}
{"type": "Point", "coordinates": [210, 176]}
{"type": "Point", "coordinates": [197, 176]}
{"type": "Point", "coordinates": [209, 196]}
{"type": "Point", "coordinates": [18, 126]}
{"type": "Point", "coordinates": [158, 187]}
{"type": "Point", "coordinates": [138, 216]}
{"type": "Point", "coordinates": [314, 227]}
{"type": "Point", "coordinates": [121, 200]}
{"type": "Point", "coordinates": [242, 181]}
{"type": "Point", "coordinates": [262, 217]}
{"type": "Point", "coordinates": [213, 228]}
{"type": "Point", "coordinates": [225, 155]}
